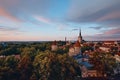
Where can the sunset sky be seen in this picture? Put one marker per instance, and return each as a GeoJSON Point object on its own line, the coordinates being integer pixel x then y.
{"type": "Point", "coordinates": [41, 20]}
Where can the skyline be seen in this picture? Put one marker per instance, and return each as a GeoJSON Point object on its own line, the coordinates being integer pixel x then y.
{"type": "Point", "coordinates": [43, 20]}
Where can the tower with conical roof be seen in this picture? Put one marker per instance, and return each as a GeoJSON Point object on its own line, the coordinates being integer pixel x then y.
{"type": "Point", "coordinates": [80, 36]}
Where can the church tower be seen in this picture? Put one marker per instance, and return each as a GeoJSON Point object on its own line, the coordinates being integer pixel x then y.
{"type": "Point", "coordinates": [80, 37]}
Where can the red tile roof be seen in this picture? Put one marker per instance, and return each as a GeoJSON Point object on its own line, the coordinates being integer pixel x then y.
{"type": "Point", "coordinates": [77, 44]}
{"type": "Point", "coordinates": [109, 42]}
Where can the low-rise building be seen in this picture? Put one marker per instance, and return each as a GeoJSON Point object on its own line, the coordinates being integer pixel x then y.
{"type": "Point", "coordinates": [105, 49]}
{"type": "Point", "coordinates": [54, 46]}
{"type": "Point", "coordinates": [74, 49]}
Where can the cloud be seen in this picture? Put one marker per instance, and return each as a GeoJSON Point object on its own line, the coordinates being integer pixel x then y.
{"type": "Point", "coordinates": [43, 19]}
{"type": "Point", "coordinates": [22, 10]}
{"type": "Point", "coordinates": [5, 14]}
{"type": "Point", "coordinates": [97, 27]}
{"type": "Point", "coordinates": [17, 7]}
{"type": "Point", "coordinates": [110, 16]}
{"type": "Point", "coordinates": [59, 24]}
{"type": "Point", "coordinates": [5, 28]}
{"type": "Point", "coordinates": [115, 31]}
{"type": "Point", "coordinates": [112, 34]}
{"type": "Point", "coordinates": [74, 29]}
{"type": "Point", "coordinates": [101, 37]}
{"type": "Point", "coordinates": [105, 12]}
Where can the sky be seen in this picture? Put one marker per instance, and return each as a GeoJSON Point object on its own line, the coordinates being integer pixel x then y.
{"type": "Point", "coordinates": [44, 20]}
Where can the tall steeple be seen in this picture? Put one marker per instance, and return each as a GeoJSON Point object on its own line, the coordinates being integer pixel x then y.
{"type": "Point", "coordinates": [80, 32]}
{"type": "Point", "coordinates": [80, 36]}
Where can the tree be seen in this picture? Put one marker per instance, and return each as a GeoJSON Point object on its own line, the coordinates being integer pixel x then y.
{"type": "Point", "coordinates": [11, 62]}
{"type": "Point", "coordinates": [51, 66]}
{"type": "Point", "coordinates": [25, 67]}
{"type": "Point", "coordinates": [8, 68]}
{"type": "Point", "coordinates": [104, 63]}
{"type": "Point", "coordinates": [31, 52]}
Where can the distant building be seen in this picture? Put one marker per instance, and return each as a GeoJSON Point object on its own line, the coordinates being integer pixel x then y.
{"type": "Point", "coordinates": [105, 49]}
{"type": "Point", "coordinates": [109, 42]}
{"type": "Point", "coordinates": [75, 49]}
{"type": "Point", "coordinates": [3, 44]}
{"type": "Point", "coordinates": [117, 68]}
{"type": "Point", "coordinates": [84, 65]}
{"type": "Point", "coordinates": [54, 46]}
{"type": "Point", "coordinates": [117, 57]}
{"type": "Point", "coordinates": [68, 43]}
{"type": "Point", "coordinates": [92, 73]}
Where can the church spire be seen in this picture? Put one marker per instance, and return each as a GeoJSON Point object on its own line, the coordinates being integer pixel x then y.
{"type": "Point", "coordinates": [80, 36]}
{"type": "Point", "coordinates": [80, 32]}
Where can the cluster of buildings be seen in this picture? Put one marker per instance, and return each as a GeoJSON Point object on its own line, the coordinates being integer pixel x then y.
{"type": "Point", "coordinates": [83, 57]}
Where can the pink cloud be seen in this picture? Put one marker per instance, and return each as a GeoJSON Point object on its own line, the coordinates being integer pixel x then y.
{"type": "Point", "coordinates": [110, 34]}
{"type": "Point", "coordinates": [29, 38]}
{"type": "Point", "coordinates": [43, 19]}
{"type": "Point", "coordinates": [100, 37]}
{"type": "Point", "coordinates": [7, 15]}
{"type": "Point", "coordinates": [113, 31]}
{"type": "Point", "coordinates": [110, 16]}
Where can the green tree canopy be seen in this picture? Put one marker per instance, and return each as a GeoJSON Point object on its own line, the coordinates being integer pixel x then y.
{"type": "Point", "coordinates": [51, 66]}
